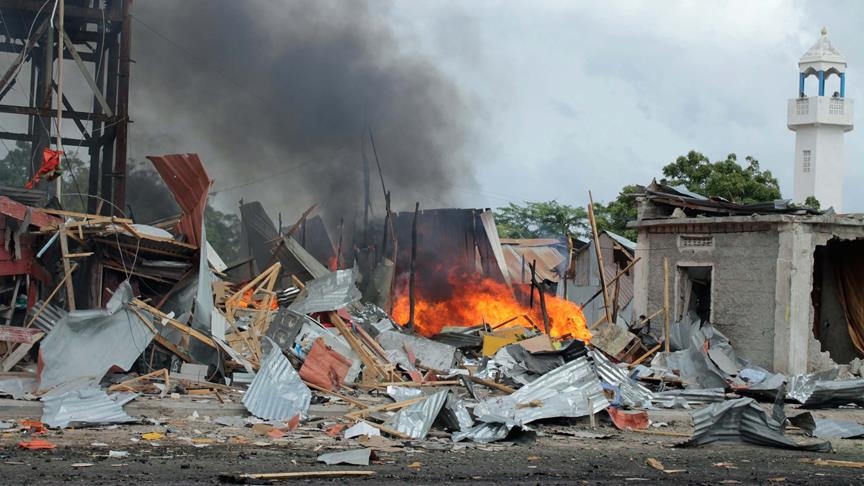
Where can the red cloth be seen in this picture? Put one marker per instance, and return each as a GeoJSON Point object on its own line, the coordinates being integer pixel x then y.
{"type": "Point", "coordinates": [50, 167]}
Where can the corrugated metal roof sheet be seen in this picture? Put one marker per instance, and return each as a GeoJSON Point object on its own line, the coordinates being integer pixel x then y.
{"type": "Point", "coordinates": [85, 406]}
{"type": "Point", "coordinates": [187, 180]}
{"type": "Point", "coordinates": [550, 261]}
{"type": "Point", "coordinates": [572, 390]}
{"type": "Point", "coordinates": [743, 420]}
{"type": "Point", "coordinates": [277, 392]}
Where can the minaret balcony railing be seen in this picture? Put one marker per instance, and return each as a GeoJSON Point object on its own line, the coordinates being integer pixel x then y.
{"type": "Point", "coordinates": [821, 110]}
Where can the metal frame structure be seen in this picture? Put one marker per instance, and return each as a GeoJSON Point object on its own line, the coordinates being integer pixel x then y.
{"type": "Point", "coordinates": [98, 37]}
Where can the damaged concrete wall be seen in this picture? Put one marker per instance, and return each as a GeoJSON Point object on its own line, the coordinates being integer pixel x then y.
{"type": "Point", "coordinates": [743, 282]}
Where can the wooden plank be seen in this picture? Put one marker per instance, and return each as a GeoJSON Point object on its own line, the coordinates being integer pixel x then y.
{"type": "Point", "coordinates": [387, 430]}
{"type": "Point", "coordinates": [50, 296]}
{"type": "Point", "coordinates": [200, 336]}
{"type": "Point", "coordinates": [340, 396]}
{"type": "Point", "coordinates": [242, 478]}
{"type": "Point", "coordinates": [18, 354]}
{"type": "Point", "coordinates": [16, 334]}
{"type": "Point", "coordinates": [384, 408]}
{"type": "Point", "coordinates": [599, 254]}
{"type": "Point", "coordinates": [666, 324]}
{"type": "Point", "coordinates": [67, 268]}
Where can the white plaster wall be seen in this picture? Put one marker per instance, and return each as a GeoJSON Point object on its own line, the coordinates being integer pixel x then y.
{"type": "Point", "coordinates": [825, 179]}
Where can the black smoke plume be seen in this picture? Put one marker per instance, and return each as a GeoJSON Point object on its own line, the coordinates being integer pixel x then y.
{"type": "Point", "coordinates": [278, 97]}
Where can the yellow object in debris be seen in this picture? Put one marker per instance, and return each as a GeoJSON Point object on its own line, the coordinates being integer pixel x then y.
{"type": "Point", "coordinates": [491, 344]}
{"type": "Point", "coordinates": [153, 436]}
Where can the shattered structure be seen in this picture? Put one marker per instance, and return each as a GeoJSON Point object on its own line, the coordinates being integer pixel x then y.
{"type": "Point", "coordinates": [464, 332]}
{"type": "Point", "coordinates": [784, 283]}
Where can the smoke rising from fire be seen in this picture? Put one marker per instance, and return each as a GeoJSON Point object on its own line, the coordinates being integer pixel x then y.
{"type": "Point", "coordinates": [276, 97]}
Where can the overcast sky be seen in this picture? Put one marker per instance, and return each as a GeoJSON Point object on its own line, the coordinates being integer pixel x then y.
{"type": "Point", "coordinates": [578, 96]}
{"type": "Point", "coordinates": [559, 97]}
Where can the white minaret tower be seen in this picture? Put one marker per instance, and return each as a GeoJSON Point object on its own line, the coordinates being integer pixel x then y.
{"type": "Point", "coordinates": [819, 123]}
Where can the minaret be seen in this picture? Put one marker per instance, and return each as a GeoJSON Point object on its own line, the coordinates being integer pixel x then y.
{"type": "Point", "coordinates": [819, 123]}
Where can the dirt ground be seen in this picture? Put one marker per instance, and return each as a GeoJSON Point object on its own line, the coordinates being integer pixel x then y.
{"type": "Point", "coordinates": [197, 451]}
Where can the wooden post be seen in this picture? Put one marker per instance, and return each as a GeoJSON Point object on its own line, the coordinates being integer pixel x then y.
{"type": "Point", "coordinates": [412, 269]}
{"type": "Point", "coordinates": [601, 271]}
{"type": "Point", "coordinates": [11, 312]}
{"type": "Point", "coordinates": [534, 283]}
{"type": "Point", "coordinates": [619, 275]}
{"type": "Point", "coordinates": [666, 324]}
{"type": "Point", "coordinates": [61, 14]}
{"type": "Point", "coordinates": [67, 268]}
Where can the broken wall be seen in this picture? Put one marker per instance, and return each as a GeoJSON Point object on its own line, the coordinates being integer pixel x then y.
{"type": "Point", "coordinates": [743, 281]}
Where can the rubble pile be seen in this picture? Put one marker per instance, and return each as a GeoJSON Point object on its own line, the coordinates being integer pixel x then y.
{"type": "Point", "coordinates": [138, 312]}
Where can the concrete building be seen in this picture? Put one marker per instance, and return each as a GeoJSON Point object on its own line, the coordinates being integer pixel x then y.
{"type": "Point", "coordinates": [784, 284]}
{"type": "Point", "coordinates": [819, 123]}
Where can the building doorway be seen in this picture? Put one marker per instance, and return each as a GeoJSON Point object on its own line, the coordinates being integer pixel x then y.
{"type": "Point", "coordinates": [694, 292]}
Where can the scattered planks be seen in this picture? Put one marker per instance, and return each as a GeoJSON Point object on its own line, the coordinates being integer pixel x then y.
{"type": "Point", "coordinates": [144, 383]}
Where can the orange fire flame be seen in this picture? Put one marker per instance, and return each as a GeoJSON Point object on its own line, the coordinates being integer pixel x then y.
{"type": "Point", "coordinates": [475, 299]}
{"type": "Point", "coordinates": [248, 301]}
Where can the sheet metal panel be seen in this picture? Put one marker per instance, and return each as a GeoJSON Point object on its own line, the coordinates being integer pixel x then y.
{"type": "Point", "coordinates": [277, 392]}
{"type": "Point", "coordinates": [572, 390]}
{"type": "Point", "coordinates": [89, 406]}
{"type": "Point", "coordinates": [187, 180]}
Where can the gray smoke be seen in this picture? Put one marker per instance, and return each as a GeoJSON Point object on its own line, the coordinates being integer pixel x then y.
{"type": "Point", "coordinates": [283, 92]}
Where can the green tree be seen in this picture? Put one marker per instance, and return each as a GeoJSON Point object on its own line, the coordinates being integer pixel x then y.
{"type": "Point", "coordinates": [549, 219]}
{"type": "Point", "coordinates": [615, 215]}
{"type": "Point", "coordinates": [15, 166]}
{"type": "Point", "coordinates": [725, 178]}
{"type": "Point", "coordinates": [812, 202]}
{"type": "Point", "coordinates": [223, 232]}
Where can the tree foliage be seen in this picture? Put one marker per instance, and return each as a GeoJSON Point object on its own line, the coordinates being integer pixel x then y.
{"type": "Point", "coordinates": [549, 219]}
{"type": "Point", "coordinates": [724, 178]}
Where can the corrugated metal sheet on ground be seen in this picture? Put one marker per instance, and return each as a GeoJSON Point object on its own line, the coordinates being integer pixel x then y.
{"type": "Point", "coordinates": [416, 420]}
{"type": "Point", "coordinates": [87, 406]}
{"type": "Point", "coordinates": [277, 392]}
{"type": "Point", "coordinates": [631, 392]}
{"type": "Point", "coordinates": [822, 390]}
{"type": "Point", "coordinates": [688, 398]}
{"type": "Point", "coordinates": [743, 420]}
{"type": "Point", "coordinates": [572, 390]}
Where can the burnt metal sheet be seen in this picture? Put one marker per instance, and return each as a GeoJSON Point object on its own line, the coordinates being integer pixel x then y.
{"type": "Point", "coordinates": [820, 390]}
{"type": "Point", "coordinates": [277, 392]}
{"type": "Point", "coordinates": [571, 390]}
{"type": "Point", "coordinates": [416, 420]}
{"type": "Point", "coordinates": [88, 406]}
{"type": "Point", "coordinates": [328, 293]}
{"type": "Point", "coordinates": [186, 178]}
{"type": "Point", "coordinates": [743, 420]}
{"type": "Point", "coordinates": [86, 344]}
{"type": "Point", "coordinates": [629, 392]}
